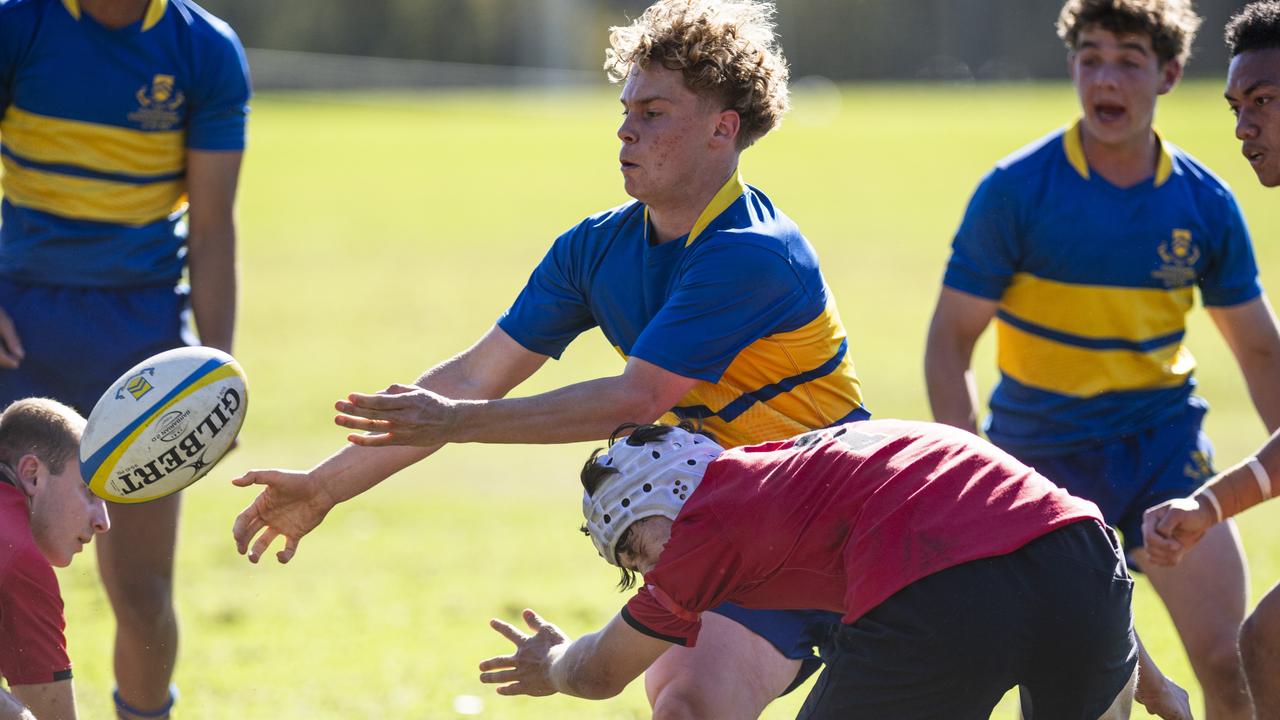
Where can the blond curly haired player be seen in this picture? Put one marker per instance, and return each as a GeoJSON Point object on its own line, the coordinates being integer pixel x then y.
{"type": "Point", "coordinates": [711, 293]}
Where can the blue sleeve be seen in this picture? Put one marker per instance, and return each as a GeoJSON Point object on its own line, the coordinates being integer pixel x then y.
{"type": "Point", "coordinates": [1231, 276]}
{"type": "Point", "coordinates": [728, 296]}
{"type": "Point", "coordinates": [551, 310]}
{"type": "Point", "coordinates": [220, 95]}
{"type": "Point", "coordinates": [985, 253]}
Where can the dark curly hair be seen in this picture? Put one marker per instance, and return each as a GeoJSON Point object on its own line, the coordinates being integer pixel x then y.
{"type": "Point", "coordinates": [1171, 24]}
{"type": "Point", "coordinates": [1256, 27]}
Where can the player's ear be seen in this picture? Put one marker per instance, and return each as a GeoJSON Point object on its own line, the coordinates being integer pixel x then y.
{"type": "Point", "coordinates": [1071, 65]}
{"type": "Point", "coordinates": [27, 471]}
{"type": "Point", "coordinates": [728, 123]}
{"type": "Point", "coordinates": [1170, 74]}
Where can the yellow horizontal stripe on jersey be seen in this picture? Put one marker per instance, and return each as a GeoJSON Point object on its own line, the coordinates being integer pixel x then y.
{"type": "Point", "coordinates": [1097, 311]}
{"type": "Point", "coordinates": [1080, 372]}
{"type": "Point", "coordinates": [86, 199]}
{"type": "Point", "coordinates": [103, 148]}
{"type": "Point", "coordinates": [817, 403]}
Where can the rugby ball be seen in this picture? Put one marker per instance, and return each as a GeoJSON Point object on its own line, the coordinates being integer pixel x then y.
{"type": "Point", "coordinates": [163, 425]}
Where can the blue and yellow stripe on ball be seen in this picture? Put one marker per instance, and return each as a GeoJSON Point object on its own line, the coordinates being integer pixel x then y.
{"type": "Point", "coordinates": [98, 470]}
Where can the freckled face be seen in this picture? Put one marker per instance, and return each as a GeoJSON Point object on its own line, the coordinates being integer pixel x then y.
{"type": "Point", "coordinates": [666, 133]}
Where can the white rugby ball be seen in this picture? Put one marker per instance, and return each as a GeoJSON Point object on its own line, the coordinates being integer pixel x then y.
{"type": "Point", "coordinates": [163, 424]}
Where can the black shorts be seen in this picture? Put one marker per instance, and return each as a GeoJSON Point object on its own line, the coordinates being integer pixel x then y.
{"type": "Point", "coordinates": [1052, 617]}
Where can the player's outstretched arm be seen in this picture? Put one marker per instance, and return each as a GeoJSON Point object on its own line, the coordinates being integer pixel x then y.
{"type": "Point", "coordinates": [11, 351]}
{"type": "Point", "coordinates": [1172, 528]}
{"type": "Point", "coordinates": [291, 504]}
{"type": "Point", "coordinates": [595, 666]}
{"type": "Point", "coordinates": [1252, 333]}
{"type": "Point", "coordinates": [590, 410]}
{"type": "Point", "coordinates": [958, 321]}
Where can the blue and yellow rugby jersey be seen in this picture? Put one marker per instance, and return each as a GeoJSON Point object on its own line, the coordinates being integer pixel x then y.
{"type": "Point", "coordinates": [738, 304]}
{"type": "Point", "coordinates": [93, 137]}
{"type": "Point", "coordinates": [1094, 283]}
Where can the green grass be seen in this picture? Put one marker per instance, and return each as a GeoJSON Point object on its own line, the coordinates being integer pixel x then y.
{"type": "Point", "coordinates": [383, 233]}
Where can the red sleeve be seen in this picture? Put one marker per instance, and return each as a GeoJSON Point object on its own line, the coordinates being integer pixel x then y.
{"type": "Point", "coordinates": [33, 648]}
{"type": "Point", "coordinates": [699, 569]}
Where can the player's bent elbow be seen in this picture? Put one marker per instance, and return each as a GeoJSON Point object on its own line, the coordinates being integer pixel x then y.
{"type": "Point", "coordinates": [599, 688]}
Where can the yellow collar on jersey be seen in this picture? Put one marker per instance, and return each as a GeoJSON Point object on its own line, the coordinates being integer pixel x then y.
{"type": "Point", "coordinates": [1073, 144]}
{"type": "Point", "coordinates": [728, 193]}
{"type": "Point", "coordinates": [155, 11]}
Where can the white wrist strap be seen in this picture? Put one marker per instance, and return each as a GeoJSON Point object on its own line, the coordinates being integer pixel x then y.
{"type": "Point", "coordinates": [1213, 500]}
{"type": "Point", "coordinates": [1260, 474]}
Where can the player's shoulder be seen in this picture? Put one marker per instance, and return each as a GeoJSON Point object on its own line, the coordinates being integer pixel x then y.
{"type": "Point", "coordinates": [1188, 169]}
{"type": "Point", "coordinates": [20, 557]}
{"type": "Point", "coordinates": [204, 26]}
{"type": "Point", "coordinates": [611, 219]}
{"type": "Point", "coordinates": [1031, 160]}
{"type": "Point", "coordinates": [754, 226]}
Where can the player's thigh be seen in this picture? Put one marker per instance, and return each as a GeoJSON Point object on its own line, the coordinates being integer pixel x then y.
{"type": "Point", "coordinates": [1122, 706]}
{"type": "Point", "coordinates": [731, 673]}
{"type": "Point", "coordinates": [1207, 592]}
{"type": "Point", "coordinates": [135, 559]}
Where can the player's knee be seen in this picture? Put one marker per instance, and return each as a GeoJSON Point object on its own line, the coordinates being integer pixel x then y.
{"type": "Point", "coordinates": [145, 606]}
{"type": "Point", "coordinates": [1260, 640]}
{"type": "Point", "coordinates": [1222, 672]}
{"type": "Point", "coordinates": [681, 700]}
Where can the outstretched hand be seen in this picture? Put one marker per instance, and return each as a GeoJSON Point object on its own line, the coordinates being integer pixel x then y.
{"type": "Point", "coordinates": [399, 415]}
{"type": "Point", "coordinates": [1172, 528]}
{"type": "Point", "coordinates": [527, 671]}
{"type": "Point", "coordinates": [291, 504]}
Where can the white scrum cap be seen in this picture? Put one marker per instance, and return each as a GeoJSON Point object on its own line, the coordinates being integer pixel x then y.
{"type": "Point", "coordinates": [652, 479]}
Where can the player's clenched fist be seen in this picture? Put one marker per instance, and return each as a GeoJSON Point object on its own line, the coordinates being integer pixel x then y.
{"type": "Point", "coordinates": [1172, 528]}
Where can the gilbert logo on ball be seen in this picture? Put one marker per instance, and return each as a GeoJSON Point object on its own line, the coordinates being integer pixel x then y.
{"type": "Point", "coordinates": [163, 424]}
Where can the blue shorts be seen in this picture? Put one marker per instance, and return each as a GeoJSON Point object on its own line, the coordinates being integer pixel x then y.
{"type": "Point", "coordinates": [795, 633]}
{"type": "Point", "coordinates": [1126, 475]}
{"type": "Point", "coordinates": [80, 340]}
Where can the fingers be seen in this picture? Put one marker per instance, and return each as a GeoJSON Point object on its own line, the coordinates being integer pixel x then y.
{"type": "Point", "coordinates": [290, 549]}
{"type": "Point", "coordinates": [247, 524]}
{"type": "Point", "coordinates": [356, 422]}
{"type": "Point", "coordinates": [498, 663]}
{"type": "Point", "coordinates": [536, 623]}
{"type": "Point", "coordinates": [257, 477]}
{"type": "Point", "coordinates": [374, 440]}
{"type": "Point", "coordinates": [378, 401]}
{"type": "Point", "coordinates": [507, 631]}
{"type": "Point", "coordinates": [502, 676]}
{"type": "Point", "coordinates": [264, 541]}
{"type": "Point", "coordinates": [518, 688]}
{"type": "Point", "coordinates": [11, 351]}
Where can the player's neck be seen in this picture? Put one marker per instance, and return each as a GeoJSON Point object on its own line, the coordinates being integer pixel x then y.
{"type": "Point", "coordinates": [674, 217]}
{"type": "Point", "coordinates": [1123, 164]}
{"type": "Point", "coordinates": [115, 14]}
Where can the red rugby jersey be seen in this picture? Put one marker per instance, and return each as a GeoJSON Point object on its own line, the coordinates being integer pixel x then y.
{"type": "Point", "coordinates": [33, 648]}
{"type": "Point", "coordinates": [840, 519]}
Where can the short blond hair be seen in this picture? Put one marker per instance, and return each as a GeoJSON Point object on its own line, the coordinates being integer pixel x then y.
{"type": "Point", "coordinates": [41, 427]}
{"type": "Point", "coordinates": [726, 50]}
{"type": "Point", "coordinates": [1171, 24]}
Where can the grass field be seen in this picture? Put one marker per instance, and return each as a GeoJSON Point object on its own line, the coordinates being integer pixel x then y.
{"type": "Point", "coordinates": [382, 233]}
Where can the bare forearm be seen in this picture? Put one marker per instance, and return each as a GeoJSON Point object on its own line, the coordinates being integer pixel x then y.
{"type": "Point", "coordinates": [953, 391]}
{"type": "Point", "coordinates": [588, 410]}
{"type": "Point", "coordinates": [575, 672]}
{"type": "Point", "coordinates": [354, 469]}
{"type": "Point", "coordinates": [1262, 375]}
{"type": "Point", "coordinates": [214, 286]}
{"type": "Point", "coordinates": [1239, 488]}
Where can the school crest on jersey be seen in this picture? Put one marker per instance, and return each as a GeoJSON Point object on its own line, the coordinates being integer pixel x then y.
{"type": "Point", "coordinates": [1178, 257]}
{"type": "Point", "coordinates": [158, 104]}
